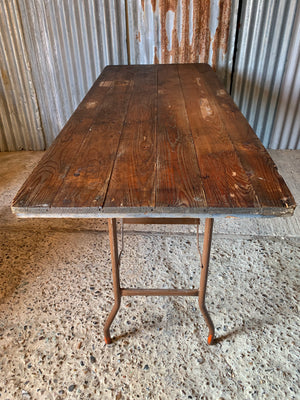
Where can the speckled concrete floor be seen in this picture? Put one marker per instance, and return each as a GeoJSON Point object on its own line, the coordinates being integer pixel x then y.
{"type": "Point", "coordinates": [56, 291]}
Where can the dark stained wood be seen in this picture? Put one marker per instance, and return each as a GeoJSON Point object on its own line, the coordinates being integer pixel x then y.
{"type": "Point", "coordinates": [67, 173]}
{"type": "Point", "coordinates": [165, 140]}
{"type": "Point", "coordinates": [224, 179]}
{"type": "Point", "coordinates": [179, 182]}
{"type": "Point", "coordinates": [133, 180]}
{"type": "Point", "coordinates": [268, 185]}
{"type": "Point", "coordinates": [93, 165]}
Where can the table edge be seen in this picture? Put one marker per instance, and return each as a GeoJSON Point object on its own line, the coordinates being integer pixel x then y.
{"type": "Point", "coordinates": [133, 212]}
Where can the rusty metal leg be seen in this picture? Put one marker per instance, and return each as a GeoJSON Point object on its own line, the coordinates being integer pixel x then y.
{"type": "Point", "coordinates": [112, 228]}
{"type": "Point", "coordinates": [203, 277]}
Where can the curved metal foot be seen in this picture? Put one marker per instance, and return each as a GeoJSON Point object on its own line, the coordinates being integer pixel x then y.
{"type": "Point", "coordinates": [209, 323]}
{"type": "Point", "coordinates": [210, 339]}
{"type": "Point", "coordinates": [107, 340]}
{"type": "Point", "coordinates": [109, 321]}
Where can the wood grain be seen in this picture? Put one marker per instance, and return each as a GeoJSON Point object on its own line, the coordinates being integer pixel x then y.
{"type": "Point", "coordinates": [224, 179]}
{"type": "Point", "coordinates": [88, 178]}
{"type": "Point", "coordinates": [133, 180]}
{"type": "Point", "coordinates": [178, 182]}
{"type": "Point", "coordinates": [160, 140]}
{"type": "Point", "coordinates": [51, 177]}
{"type": "Point", "coordinates": [267, 183]}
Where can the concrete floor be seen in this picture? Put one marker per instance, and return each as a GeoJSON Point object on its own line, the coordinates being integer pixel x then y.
{"type": "Point", "coordinates": [56, 291]}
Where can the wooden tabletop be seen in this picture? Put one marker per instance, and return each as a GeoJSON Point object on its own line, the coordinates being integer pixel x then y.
{"type": "Point", "coordinates": [155, 140]}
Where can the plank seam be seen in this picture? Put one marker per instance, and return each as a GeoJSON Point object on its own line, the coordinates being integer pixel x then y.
{"type": "Point", "coordinates": [117, 150]}
{"type": "Point", "coordinates": [191, 134]}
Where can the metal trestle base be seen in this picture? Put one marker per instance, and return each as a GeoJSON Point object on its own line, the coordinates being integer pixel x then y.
{"type": "Point", "coordinates": [119, 292]}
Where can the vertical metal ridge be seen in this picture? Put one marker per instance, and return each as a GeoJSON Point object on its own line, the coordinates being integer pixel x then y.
{"type": "Point", "coordinates": [52, 51]}
{"type": "Point", "coordinates": [69, 43]}
{"type": "Point", "coordinates": [261, 55]}
{"type": "Point", "coordinates": [20, 124]}
{"type": "Point", "coordinates": [286, 127]}
{"type": "Point", "coordinates": [127, 32]}
{"type": "Point", "coordinates": [184, 31]}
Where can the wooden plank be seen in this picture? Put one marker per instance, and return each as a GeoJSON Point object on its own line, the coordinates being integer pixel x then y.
{"type": "Point", "coordinates": [86, 183]}
{"type": "Point", "coordinates": [179, 182]}
{"type": "Point", "coordinates": [225, 182]}
{"type": "Point", "coordinates": [269, 186]}
{"type": "Point", "coordinates": [52, 174]}
{"type": "Point", "coordinates": [132, 181]}
{"type": "Point", "coordinates": [45, 180]}
{"type": "Point", "coordinates": [147, 145]}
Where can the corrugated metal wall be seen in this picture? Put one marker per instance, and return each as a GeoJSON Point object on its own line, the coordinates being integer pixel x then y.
{"type": "Point", "coordinates": [20, 123]}
{"type": "Point", "coordinates": [263, 44]}
{"type": "Point", "coordinates": [53, 50]}
{"type": "Point", "coordinates": [286, 128]}
{"type": "Point", "coordinates": [69, 43]}
{"type": "Point", "coordinates": [183, 31]}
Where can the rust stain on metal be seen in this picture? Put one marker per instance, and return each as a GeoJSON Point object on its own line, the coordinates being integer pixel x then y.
{"type": "Point", "coordinates": [138, 36]}
{"type": "Point", "coordinates": [164, 7]}
{"type": "Point", "coordinates": [184, 47]}
{"type": "Point", "coordinates": [156, 59]}
{"type": "Point", "coordinates": [198, 49]}
{"type": "Point", "coordinates": [153, 3]}
{"type": "Point", "coordinates": [175, 49]}
{"type": "Point", "coordinates": [222, 31]}
{"type": "Point", "coordinates": [204, 31]}
{"type": "Point", "coordinates": [195, 43]}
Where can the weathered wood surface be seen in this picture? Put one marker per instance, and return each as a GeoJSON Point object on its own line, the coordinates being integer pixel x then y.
{"type": "Point", "coordinates": [133, 179]}
{"type": "Point", "coordinates": [155, 140]}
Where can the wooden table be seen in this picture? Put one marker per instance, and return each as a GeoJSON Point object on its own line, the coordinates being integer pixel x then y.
{"type": "Point", "coordinates": [159, 144]}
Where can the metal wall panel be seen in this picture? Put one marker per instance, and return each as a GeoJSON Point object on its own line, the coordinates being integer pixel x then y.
{"type": "Point", "coordinates": [286, 128]}
{"type": "Point", "coordinates": [69, 42]}
{"type": "Point", "coordinates": [52, 51]}
{"type": "Point", "coordinates": [171, 31]}
{"type": "Point", "coordinates": [20, 124]}
{"type": "Point", "coordinates": [263, 42]}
